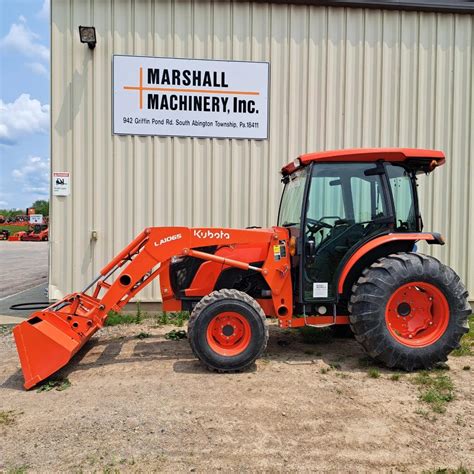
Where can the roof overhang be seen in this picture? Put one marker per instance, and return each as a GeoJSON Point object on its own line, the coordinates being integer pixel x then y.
{"type": "Point", "coordinates": [426, 159]}
{"type": "Point", "coordinates": [442, 6]}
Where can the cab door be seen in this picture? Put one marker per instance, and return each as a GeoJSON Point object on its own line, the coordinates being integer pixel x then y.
{"type": "Point", "coordinates": [345, 204]}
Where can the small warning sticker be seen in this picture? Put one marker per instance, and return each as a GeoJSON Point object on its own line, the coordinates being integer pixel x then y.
{"type": "Point", "coordinates": [320, 290]}
{"type": "Point", "coordinates": [279, 251]}
{"type": "Point", "coordinates": [276, 252]}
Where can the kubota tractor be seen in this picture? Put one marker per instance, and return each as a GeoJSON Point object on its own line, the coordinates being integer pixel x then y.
{"type": "Point", "coordinates": [343, 253]}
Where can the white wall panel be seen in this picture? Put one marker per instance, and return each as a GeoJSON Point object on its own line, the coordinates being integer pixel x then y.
{"type": "Point", "coordinates": [339, 78]}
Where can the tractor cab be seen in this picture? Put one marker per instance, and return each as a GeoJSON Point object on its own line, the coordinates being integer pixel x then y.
{"type": "Point", "coordinates": [336, 202]}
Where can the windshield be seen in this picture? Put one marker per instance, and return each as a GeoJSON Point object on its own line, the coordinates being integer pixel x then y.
{"type": "Point", "coordinates": [292, 199]}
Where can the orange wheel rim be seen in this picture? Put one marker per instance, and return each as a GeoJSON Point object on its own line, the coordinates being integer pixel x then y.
{"type": "Point", "coordinates": [228, 333]}
{"type": "Point", "coordinates": [417, 314]}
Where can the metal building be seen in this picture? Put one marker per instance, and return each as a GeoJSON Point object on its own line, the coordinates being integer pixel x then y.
{"type": "Point", "coordinates": [341, 75]}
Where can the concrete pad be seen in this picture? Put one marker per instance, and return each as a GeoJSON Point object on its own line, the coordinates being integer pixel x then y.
{"type": "Point", "coordinates": [23, 266]}
{"type": "Point", "coordinates": [10, 320]}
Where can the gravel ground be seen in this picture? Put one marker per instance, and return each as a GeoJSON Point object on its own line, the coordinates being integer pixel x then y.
{"type": "Point", "coordinates": [146, 405]}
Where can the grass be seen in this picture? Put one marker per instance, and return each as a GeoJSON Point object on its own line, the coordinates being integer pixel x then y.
{"type": "Point", "coordinates": [395, 377]}
{"type": "Point", "coordinates": [466, 367]}
{"type": "Point", "coordinates": [176, 335]}
{"type": "Point", "coordinates": [435, 389]}
{"type": "Point", "coordinates": [13, 228]}
{"type": "Point", "coordinates": [143, 335]}
{"type": "Point", "coordinates": [460, 470]}
{"type": "Point", "coordinates": [7, 417]}
{"type": "Point", "coordinates": [4, 330]}
{"type": "Point", "coordinates": [467, 342]}
{"type": "Point", "coordinates": [54, 384]}
{"type": "Point", "coordinates": [114, 319]}
{"type": "Point", "coordinates": [425, 414]}
{"type": "Point", "coordinates": [373, 373]}
{"type": "Point", "coordinates": [17, 470]}
{"type": "Point", "coordinates": [177, 318]}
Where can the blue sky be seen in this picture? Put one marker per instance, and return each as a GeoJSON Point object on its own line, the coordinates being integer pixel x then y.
{"type": "Point", "coordinates": [24, 102]}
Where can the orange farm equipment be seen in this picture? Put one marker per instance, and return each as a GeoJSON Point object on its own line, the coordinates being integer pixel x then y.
{"type": "Point", "coordinates": [343, 254]}
{"type": "Point", "coordinates": [37, 233]}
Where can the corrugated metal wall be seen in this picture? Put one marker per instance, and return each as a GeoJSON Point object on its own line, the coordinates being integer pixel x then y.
{"type": "Point", "coordinates": [339, 78]}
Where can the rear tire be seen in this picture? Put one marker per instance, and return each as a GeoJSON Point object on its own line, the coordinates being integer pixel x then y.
{"type": "Point", "coordinates": [227, 331]}
{"type": "Point", "coordinates": [409, 311]}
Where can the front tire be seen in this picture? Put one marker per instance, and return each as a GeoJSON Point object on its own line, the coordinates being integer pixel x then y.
{"type": "Point", "coordinates": [227, 331]}
{"type": "Point", "coordinates": [409, 311]}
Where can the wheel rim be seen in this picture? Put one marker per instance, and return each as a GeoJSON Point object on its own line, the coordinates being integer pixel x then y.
{"type": "Point", "coordinates": [417, 314]}
{"type": "Point", "coordinates": [228, 333]}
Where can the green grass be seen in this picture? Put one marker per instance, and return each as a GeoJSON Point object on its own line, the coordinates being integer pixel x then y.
{"type": "Point", "coordinates": [143, 335]}
{"type": "Point", "coordinates": [373, 373]}
{"type": "Point", "coordinates": [444, 470]}
{"type": "Point", "coordinates": [176, 335]}
{"type": "Point", "coordinates": [114, 319]}
{"type": "Point", "coordinates": [7, 417]}
{"type": "Point", "coordinates": [435, 389]}
{"type": "Point", "coordinates": [54, 384]}
{"type": "Point", "coordinates": [395, 377]}
{"type": "Point", "coordinates": [176, 318]}
{"type": "Point", "coordinates": [467, 342]}
{"type": "Point", "coordinates": [17, 470]}
{"type": "Point", "coordinates": [163, 318]}
{"type": "Point", "coordinates": [13, 228]}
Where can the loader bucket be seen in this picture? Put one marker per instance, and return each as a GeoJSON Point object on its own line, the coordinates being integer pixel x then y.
{"type": "Point", "coordinates": [46, 343]}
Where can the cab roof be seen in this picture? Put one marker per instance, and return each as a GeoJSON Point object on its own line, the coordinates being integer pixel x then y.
{"type": "Point", "coordinates": [425, 160]}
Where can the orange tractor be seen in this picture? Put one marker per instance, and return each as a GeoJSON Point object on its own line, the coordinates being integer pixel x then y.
{"type": "Point", "coordinates": [343, 253]}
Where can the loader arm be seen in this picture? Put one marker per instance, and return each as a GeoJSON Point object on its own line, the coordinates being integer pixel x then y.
{"type": "Point", "coordinates": [50, 337]}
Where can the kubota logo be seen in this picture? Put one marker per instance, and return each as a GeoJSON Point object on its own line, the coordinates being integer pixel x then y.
{"type": "Point", "coordinates": [165, 240]}
{"type": "Point", "coordinates": [208, 234]}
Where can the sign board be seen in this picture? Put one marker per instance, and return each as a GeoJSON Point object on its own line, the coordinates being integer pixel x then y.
{"type": "Point", "coordinates": [190, 97]}
{"type": "Point", "coordinates": [61, 183]}
{"type": "Point", "coordinates": [36, 218]}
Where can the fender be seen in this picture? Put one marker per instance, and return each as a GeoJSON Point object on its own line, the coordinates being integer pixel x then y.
{"type": "Point", "coordinates": [431, 238]}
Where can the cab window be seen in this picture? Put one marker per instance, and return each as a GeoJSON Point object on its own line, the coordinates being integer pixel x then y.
{"type": "Point", "coordinates": [401, 184]}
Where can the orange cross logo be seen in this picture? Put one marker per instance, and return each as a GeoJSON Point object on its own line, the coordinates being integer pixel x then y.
{"type": "Point", "coordinates": [140, 88]}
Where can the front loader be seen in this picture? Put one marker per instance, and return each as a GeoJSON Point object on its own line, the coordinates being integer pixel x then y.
{"type": "Point", "coordinates": [343, 254]}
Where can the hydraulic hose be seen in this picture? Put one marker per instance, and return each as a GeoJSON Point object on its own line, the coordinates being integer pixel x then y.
{"type": "Point", "coordinates": [30, 306]}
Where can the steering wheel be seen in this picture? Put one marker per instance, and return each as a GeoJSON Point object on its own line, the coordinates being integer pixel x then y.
{"type": "Point", "coordinates": [318, 223]}
{"type": "Point", "coordinates": [315, 225]}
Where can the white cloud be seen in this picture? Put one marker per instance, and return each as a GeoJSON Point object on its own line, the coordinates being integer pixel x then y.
{"type": "Point", "coordinates": [4, 204]}
{"type": "Point", "coordinates": [38, 68]}
{"type": "Point", "coordinates": [44, 12]}
{"type": "Point", "coordinates": [24, 116]}
{"type": "Point", "coordinates": [33, 175]}
{"type": "Point", "coordinates": [21, 39]}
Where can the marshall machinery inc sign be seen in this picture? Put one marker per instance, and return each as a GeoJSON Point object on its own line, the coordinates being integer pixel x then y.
{"type": "Point", "coordinates": [190, 97]}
